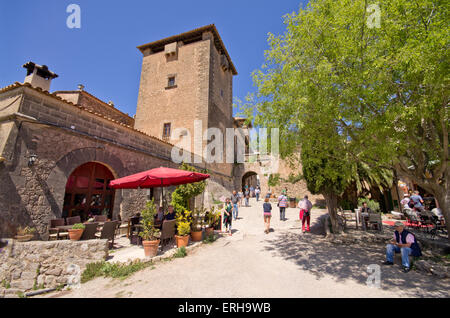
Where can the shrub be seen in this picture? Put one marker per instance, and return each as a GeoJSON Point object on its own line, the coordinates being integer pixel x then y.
{"type": "Point", "coordinates": [114, 270]}
{"type": "Point", "coordinates": [181, 252]}
{"type": "Point", "coordinates": [210, 239]}
{"type": "Point", "coordinates": [371, 204]}
{"type": "Point", "coordinates": [149, 232]}
{"type": "Point", "coordinates": [184, 220]}
{"type": "Point", "coordinates": [26, 230]}
{"type": "Point", "coordinates": [183, 228]}
{"type": "Point", "coordinates": [78, 226]}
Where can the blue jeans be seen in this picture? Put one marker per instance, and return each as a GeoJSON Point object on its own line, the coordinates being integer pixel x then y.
{"type": "Point", "coordinates": [235, 211]}
{"type": "Point", "coordinates": [257, 197]}
{"type": "Point", "coordinates": [246, 201]}
{"type": "Point", "coordinates": [391, 249]}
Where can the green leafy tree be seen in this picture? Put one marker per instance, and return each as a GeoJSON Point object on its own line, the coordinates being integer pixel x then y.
{"type": "Point", "coordinates": [184, 192]}
{"type": "Point", "coordinates": [348, 93]}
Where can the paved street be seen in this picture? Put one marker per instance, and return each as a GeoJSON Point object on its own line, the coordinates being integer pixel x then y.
{"type": "Point", "coordinates": [284, 263]}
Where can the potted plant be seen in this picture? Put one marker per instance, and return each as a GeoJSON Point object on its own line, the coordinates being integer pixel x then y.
{"type": "Point", "coordinates": [76, 231]}
{"type": "Point", "coordinates": [25, 234]}
{"type": "Point", "coordinates": [149, 234]}
{"type": "Point", "coordinates": [183, 228]}
{"type": "Point", "coordinates": [212, 220]}
{"type": "Point", "coordinates": [197, 225]}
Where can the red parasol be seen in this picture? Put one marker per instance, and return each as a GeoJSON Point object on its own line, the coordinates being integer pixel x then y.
{"type": "Point", "coordinates": [159, 177]}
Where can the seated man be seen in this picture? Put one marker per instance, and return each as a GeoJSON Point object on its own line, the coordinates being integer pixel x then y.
{"type": "Point", "coordinates": [170, 215]}
{"type": "Point", "coordinates": [405, 243]}
{"type": "Point", "coordinates": [364, 212]}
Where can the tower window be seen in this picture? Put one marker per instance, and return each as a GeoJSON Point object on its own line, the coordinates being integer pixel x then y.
{"type": "Point", "coordinates": [166, 131]}
{"type": "Point", "coordinates": [171, 82]}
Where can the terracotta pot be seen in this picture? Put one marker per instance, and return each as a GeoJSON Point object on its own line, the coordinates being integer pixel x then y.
{"type": "Point", "coordinates": [196, 236]}
{"type": "Point", "coordinates": [24, 238]}
{"type": "Point", "coordinates": [75, 235]}
{"type": "Point", "coordinates": [150, 248]}
{"type": "Point", "coordinates": [182, 240]}
{"type": "Point", "coordinates": [209, 231]}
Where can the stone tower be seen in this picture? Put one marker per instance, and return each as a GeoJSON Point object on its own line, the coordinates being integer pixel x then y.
{"type": "Point", "coordinates": [186, 78]}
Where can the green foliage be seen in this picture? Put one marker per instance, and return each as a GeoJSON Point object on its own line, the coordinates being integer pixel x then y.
{"type": "Point", "coordinates": [274, 180]}
{"type": "Point", "coordinates": [21, 295]}
{"type": "Point", "coordinates": [114, 270]}
{"type": "Point", "coordinates": [350, 95]}
{"type": "Point", "coordinates": [180, 253]}
{"type": "Point", "coordinates": [26, 230]}
{"type": "Point", "coordinates": [6, 284]}
{"type": "Point", "coordinates": [371, 204]}
{"type": "Point", "coordinates": [184, 192]}
{"type": "Point", "coordinates": [149, 232]}
{"type": "Point", "coordinates": [184, 221]}
{"type": "Point", "coordinates": [212, 217]}
{"type": "Point", "coordinates": [210, 239]}
{"type": "Point", "coordinates": [78, 226]}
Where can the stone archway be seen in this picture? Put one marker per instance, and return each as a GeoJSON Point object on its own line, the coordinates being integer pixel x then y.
{"type": "Point", "coordinates": [87, 192]}
{"type": "Point", "coordinates": [250, 179]}
{"type": "Point", "coordinates": [58, 177]}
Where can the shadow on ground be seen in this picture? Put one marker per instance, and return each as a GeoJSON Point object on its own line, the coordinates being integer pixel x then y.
{"type": "Point", "coordinates": [312, 253]}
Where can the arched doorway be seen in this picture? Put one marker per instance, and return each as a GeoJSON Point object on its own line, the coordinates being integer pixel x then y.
{"type": "Point", "coordinates": [250, 179]}
{"type": "Point", "coordinates": [88, 192]}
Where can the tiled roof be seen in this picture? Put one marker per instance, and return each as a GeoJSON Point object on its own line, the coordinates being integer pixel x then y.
{"type": "Point", "coordinates": [53, 95]}
{"type": "Point", "coordinates": [96, 98]}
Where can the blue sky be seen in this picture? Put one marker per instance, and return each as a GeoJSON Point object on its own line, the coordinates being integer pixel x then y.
{"type": "Point", "coordinates": [102, 55]}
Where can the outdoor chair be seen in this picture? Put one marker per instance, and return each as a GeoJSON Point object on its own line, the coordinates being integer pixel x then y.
{"type": "Point", "coordinates": [134, 230]}
{"type": "Point", "coordinates": [73, 220]}
{"type": "Point", "coordinates": [54, 231]}
{"type": "Point", "coordinates": [100, 218]}
{"type": "Point", "coordinates": [349, 216]}
{"type": "Point", "coordinates": [375, 220]}
{"type": "Point", "coordinates": [108, 232]}
{"type": "Point", "coordinates": [89, 231]}
{"type": "Point", "coordinates": [167, 232]}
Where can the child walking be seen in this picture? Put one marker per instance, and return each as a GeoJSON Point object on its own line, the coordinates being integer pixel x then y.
{"type": "Point", "coordinates": [228, 216]}
{"type": "Point", "coordinates": [267, 207]}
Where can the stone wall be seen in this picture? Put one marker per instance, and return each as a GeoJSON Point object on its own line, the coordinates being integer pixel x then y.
{"type": "Point", "coordinates": [33, 195]}
{"type": "Point", "coordinates": [25, 266]}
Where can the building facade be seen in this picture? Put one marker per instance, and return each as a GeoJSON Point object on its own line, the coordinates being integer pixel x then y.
{"type": "Point", "coordinates": [58, 151]}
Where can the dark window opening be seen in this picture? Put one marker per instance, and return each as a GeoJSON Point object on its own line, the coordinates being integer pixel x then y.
{"type": "Point", "coordinates": [166, 131]}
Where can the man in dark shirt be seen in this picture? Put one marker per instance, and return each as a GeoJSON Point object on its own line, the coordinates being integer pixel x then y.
{"type": "Point", "coordinates": [171, 214]}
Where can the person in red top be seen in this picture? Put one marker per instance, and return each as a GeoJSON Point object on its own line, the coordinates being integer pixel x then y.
{"type": "Point", "coordinates": [305, 213]}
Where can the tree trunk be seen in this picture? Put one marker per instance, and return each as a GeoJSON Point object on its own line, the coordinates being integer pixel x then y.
{"type": "Point", "coordinates": [331, 200]}
{"type": "Point", "coordinates": [444, 204]}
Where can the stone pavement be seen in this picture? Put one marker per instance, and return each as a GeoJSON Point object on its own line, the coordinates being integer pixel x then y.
{"type": "Point", "coordinates": [284, 263]}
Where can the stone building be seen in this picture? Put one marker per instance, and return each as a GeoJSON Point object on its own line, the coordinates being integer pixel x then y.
{"type": "Point", "coordinates": [58, 151]}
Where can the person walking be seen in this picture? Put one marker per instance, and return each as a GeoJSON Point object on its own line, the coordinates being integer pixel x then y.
{"type": "Point", "coordinates": [257, 192]}
{"type": "Point", "coordinates": [227, 216]}
{"type": "Point", "coordinates": [234, 201]}
{"type": "Point", "coordinates": [305, 213]}
{"type": "Point", "coordinates": [267, 208]}
{"type": "Point", "coordinates": [247, 197]}
{"type": "Point", "coordinates": [282, 204]}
